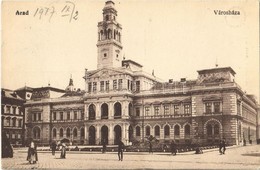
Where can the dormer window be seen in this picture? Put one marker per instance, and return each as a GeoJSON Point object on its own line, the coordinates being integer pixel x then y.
{"type": "Point", "coordinates": [105, 55]}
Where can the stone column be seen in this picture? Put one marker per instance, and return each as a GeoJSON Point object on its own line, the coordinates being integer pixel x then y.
{"type": "Point", "coordinates": [98, 111]}
{"type": "Point", "coordinates": [123, 133]}
{"type": "Point", "coordinates": [110, 110]}
{"type": "Point", "coordinates": [98, 134]}
{"type": "Point", "coordinates": [85, 134]}
{"type": "Point", "coordinates": [111, 135]}
{"type": "Point", "coordinates": [86, 112]}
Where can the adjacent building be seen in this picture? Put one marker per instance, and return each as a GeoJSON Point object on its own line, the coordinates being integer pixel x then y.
{"type": "Point", "coordinates": [122, 101]}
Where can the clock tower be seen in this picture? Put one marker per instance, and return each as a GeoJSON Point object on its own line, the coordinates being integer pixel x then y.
{"type": "Point", "coordinates": [109, 38]}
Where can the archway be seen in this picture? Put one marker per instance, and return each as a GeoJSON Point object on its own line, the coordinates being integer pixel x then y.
{"type": "Point", "coordinates": [130, 133]}
{"type": "Point", "coordinates": [104, 111]}
{"type": "Point", "coordinates": [36, 133]}
{"type": "Point", "coordinates": [92, 135]}
{"type": "Point", "coordinates": [92, 112]}
{"type": "Point", "coordinates": [117, 110]}
{"type": "Point", "coordinates": [104, 134]}
{"type": "Point", "coordinates": [117, 134]}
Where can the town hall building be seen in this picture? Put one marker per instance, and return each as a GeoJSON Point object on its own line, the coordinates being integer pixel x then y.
{"type": "Point", "coordinates": [122, 101]}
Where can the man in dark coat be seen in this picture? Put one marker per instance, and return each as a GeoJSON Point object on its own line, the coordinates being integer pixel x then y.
{"type": "Point", "coordinates": [173, 148]}
{"type": "Point", "coordinates": [53, 148]}
{"type": "Point", "coordinates": [224, 145]}
{"type": "Point", "coordinates": [220, 147]}
{"type": "Point", "coordinates": [150, 147]}
{"type": "Point", "coordinates": [120, 150]}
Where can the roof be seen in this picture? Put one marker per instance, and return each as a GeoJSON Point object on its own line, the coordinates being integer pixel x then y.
{"type": "Point", "coordinates": [25, 88]}
{"type": "Point", "coordinates": [49, 88]}
{"type": "Point", "coordinates": [10, 94]}
{"type": "Point", "coordinates": [133, 62]}
{"type": "Point", "coordinates": [218, 69]}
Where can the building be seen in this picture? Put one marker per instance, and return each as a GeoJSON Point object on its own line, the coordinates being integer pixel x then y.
{"type": "Point", "coordinates": [121, 101]}
{"type": "Point", "coordinates": [12, 114]}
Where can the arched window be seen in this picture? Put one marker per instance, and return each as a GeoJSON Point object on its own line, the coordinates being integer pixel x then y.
{"type": "Point", "coordinates": [166, 131]}
{"type": "Point", "coordinates": [75, 133]}
{"type": "Point", "coordinates": [82, 133]}
{"type": "Point", "coordinates": [157, 131]}
{"type": "Point", "coordinates": [92, 112]}
{"type": "Point", "coordinates": [138, 131]}
{"type": "Point", "coordinates": [104, 111]}
{"type": "Point", "coordinates": [68, 132]}
{"type": "Point", "coordinates": [54, 133]}
{"type": "Point", "coordinates": [176, 130]}
{"type": "Point", "coordinates": [107, 17]}
{"type": "Point", "coordinates": [187, 130]}
{"type": "Point", "coordinates": [61, 132]}
{"type": "Point", "coordinates": [130, 109]}
{"type": "Point", "coordinates": [117, 110]}
{"type": "Point", "coordinates": [14, 122]}
{"type": "Point", "coordinates": [147, 131]}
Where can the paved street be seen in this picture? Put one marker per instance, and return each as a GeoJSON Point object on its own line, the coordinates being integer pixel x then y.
{"type": "Point", "coordinates": [247, 157]}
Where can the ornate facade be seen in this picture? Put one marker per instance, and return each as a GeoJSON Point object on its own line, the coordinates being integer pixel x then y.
{"type": "Point", "coordinates": [121, 101]}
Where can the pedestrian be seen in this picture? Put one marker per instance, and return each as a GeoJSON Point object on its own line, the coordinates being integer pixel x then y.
{"type": "Point", "coordinates": [224, 145]}
{"type": "Point", "coordinates": [63, 151]}
{"type": "Point", "coordinates": [150, 147]}
{"type": "Point", "coordinates": [220, 147]}
{"type": "Point", "coordinates": [53, 148]}
{"type": "Point", "coordinates": [104, 146]}
{"type": "Point", "coordinates": [173, 148]}
{"type": "Point", "coordinates": [120, 150]}
{"type": "Point", "coordinates": [32, 156]}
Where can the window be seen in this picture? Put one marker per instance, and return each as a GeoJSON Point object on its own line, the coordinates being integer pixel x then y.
{"type": "Point", "coordinates": [157, 131]}
{"type": "Point", "coordinates": [107, 85]}
{"type": "Point", "coordinates": [68, 132]}
{"type": "Point", "coordinates": [102, 86]}
{"type": "Point", "coordinates": [89, 87]}
{"type": "Point", "coordinates": [20, 123]}
{"type": "Point", "coordinates": [13, 136]}
{"type": "Point", "coordinates": [39, 116]}
{"type": "Point", "coordinates": [216, 130]}
{"type": "Point", "coordinates": [208, 107]}
{"type": "Point", "coordinates": [34, 116]}
{"type": "Point", "coordinates": [3, 109]}
{"type": "Point", "coordinates": [107, 17]}
{"type": "Point", "coordinates": [114, 84]}
{"type": "Point", "coordinates": [19, 136]}
{"type": "Point", "coordinates": [75, 133]}
{"type": "Point", "coordinates": [138, 131]}
{"type": "Point", "coordinates": [187, 130]}
{"type": "Point", "coordinates": [94, 86]}
{"type": "Point", "coordinates": [54, 133]}
{"type": "Point", "coordinates": [176, 130]}
{"type": "Point", "coordinates": [61, 133]}
{"type": "Point", "coordinates": [105, 55]}
{"type": "Point", "coordinates": [147, 111]}
{"type": "Point", "coordinates": [216, 107]}
{"type": "Point", "coordinates": [14, 110]}
{"type": "Point", "coordinates": [75, 115]}
{"type": "Point", "coordinates": [166, 110]}
{"type": "Point", "coordinates": [128, 84]}
{"type": "Point", "coordinates": [82, 114]}
{"type": "Point", "coordinates": [137, 111]}
{"type": "Point", "coordinates": [61, 115]}
{"type": "Point", "coordinates": [54, 116]}
{"type": "Point", "coordinates": [156, 110]}
{"type": "Point", "coordinates": [137, 86]}
{"type": "Point", "coordinates": [209, 130]}
{"type": "Point", "coordinates": [166, 131]}
{"type": "Point", "coordinates": [8, 109]}
{"type": "Point", "coordinates": [186, 109]}
{"type": "Point", "coordinates": [120, 84]}
{"type": "Point", "coordinates": [238, 108]}
{"type": "Point", "coordinates": [68, 115]}
{"type": "Point", "coordinates": [14, 122]}
{"type": "Point", "coordinates": [176, 109]}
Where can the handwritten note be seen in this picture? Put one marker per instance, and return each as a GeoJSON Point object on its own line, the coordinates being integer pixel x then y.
{"type": "Point", "coordinates": [67, 11]}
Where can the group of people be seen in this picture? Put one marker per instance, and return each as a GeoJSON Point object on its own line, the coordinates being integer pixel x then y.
{"type": "Point", "coordinates": [32, 156]}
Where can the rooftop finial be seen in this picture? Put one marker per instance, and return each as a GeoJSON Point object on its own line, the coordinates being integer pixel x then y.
{"type": "Point", "coordinates": [216, 62]}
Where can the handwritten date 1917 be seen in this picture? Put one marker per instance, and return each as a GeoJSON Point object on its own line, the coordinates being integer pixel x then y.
{"type": "Point", "coordinates": [68, 11]}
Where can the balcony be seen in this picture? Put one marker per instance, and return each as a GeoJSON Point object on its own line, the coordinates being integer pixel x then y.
{"type": "Point", "coordinates": [212, 113]}
{"type": "Point", "coordinates": [67, 120]}
{"type": "Point", "coordinates": [161, 116]}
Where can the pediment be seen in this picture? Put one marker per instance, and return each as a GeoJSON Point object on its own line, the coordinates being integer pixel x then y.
{"type": "Point", "coordinates": [104, 73]}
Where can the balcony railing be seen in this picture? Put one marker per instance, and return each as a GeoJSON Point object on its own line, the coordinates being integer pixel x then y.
{"type": "Point", "coordinates": [161, 116]}
{"type": "Point", "coordinates": [67, 120]}
{"type": "Point", "coordinates": [213, 113]}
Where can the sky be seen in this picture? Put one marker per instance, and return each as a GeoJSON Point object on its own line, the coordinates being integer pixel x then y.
{"type": "Point", "coordinates": [173, 38]}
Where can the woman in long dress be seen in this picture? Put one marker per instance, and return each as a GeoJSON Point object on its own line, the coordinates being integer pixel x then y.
{"type": "Point", "coordinates": [63, 151]}
{"type": "Point", "coordinates": [32, 156]}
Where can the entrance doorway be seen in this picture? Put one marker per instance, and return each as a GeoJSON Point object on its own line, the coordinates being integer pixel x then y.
{"type": "Point", "coordinates": [104, 135]}
{"type": "Point", "coordinates": [92, 135]}
{"type": "Point", "coordinates": [118, 134]}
